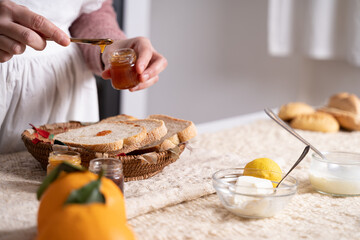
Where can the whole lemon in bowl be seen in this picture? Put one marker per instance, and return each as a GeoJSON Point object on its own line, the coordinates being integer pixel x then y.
{"type": "Point", "coordinates": [272, 171]}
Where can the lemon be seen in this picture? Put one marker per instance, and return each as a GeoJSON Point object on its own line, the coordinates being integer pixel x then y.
{"type": "Point", "coordinates": [272, 171]}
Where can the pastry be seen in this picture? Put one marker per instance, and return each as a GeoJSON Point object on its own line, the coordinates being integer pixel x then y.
{"type": "Point", "coordinates": [347, 120]}
{"type": "Point", "coordinates": [345, 107]}
{"type": "Point", "coordinates": [346, 102]}
{"type": "Point", "coordinates": [317, 121]}
{"type": "Point", "coordinates": [291, 110]}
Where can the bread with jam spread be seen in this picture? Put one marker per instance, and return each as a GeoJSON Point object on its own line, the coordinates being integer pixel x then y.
{"type": "Point", "coordinates": [156, 133]}
{"type": "Point", "coordinates": [119, 137]}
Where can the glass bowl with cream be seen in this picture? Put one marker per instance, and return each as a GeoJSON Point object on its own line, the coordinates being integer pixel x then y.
{"type": "Point", "coordinates": [252, 197]}
{"type": "Point", "coordinates": [337, 175]}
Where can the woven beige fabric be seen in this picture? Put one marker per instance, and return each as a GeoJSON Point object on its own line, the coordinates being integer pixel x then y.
{"type": "Point", "coordinates": [179, 202]}
{"type": "Point", "coordinates": [309, 215]}
{"type": "Point", "coordinates": [187, 179]}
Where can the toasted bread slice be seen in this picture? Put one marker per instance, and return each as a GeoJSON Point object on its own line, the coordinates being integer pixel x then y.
{"type": "Point", "coordinates": [155, 129]}
{"type": "Point", "coordinates": [178, 131]}
{"type": "Point", "coordinates": [105, 137]}
{"type": "Point", "coordinates": [120, 117]}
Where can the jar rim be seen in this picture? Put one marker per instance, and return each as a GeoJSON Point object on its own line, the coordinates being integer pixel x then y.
{"type": "Point", "coordinates": [338, 157]}
{"type": "Point", "coordinates": [123, 55]}
{"type": "Point", "coordinates": [65, 152]}
{"type": "Point", "coordinates": [109, 163]}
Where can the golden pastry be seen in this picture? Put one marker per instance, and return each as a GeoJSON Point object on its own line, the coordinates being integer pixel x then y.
{"type": "Point", "coordinates": [317, 121]}
{"type": "Point", "coordinates": [291, 110]}
{"type": "Point", "coordinates": [347, 120]}
{"type": "Point", "coordinates": [346, 102]}
{"type": "Point", "coordinates": [345, 107]}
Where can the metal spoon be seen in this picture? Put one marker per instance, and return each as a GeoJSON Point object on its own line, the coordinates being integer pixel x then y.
{"type": "Point", "coordinates": [274, 117]}
{"type": "Point", "coordinates": [306, 150]}
{"type": "Point", "coordinates": [93, 41]}
{"type": "Point", "coordinates": [101, 42]}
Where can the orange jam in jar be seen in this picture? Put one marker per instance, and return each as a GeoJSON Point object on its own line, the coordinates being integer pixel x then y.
{"type": "Point", "coordinates": [122, 69]}
{"type": "Point", "coordinates": [57, 157]}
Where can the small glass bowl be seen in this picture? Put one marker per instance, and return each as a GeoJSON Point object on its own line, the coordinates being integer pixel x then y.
{"type": "Point", "coordinates": [337, 175]}
{"type": "Point", "coordinates": [266, 203]}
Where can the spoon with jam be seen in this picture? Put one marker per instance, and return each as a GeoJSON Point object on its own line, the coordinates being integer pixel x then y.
{"type": "Point", "coordinates": [101, 42]}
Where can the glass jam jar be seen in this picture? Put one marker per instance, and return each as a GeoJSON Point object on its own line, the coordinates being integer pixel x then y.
{"type": "Point", "coordinates": [112, 169]}
{"type": "Point", "coordinates": [122, 69]}
{"type": "Point", "coordinates": [57, 157]}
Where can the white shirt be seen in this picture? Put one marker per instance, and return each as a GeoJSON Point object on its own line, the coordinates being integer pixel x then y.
{"type": "Point", "coordinates": [47, 86]}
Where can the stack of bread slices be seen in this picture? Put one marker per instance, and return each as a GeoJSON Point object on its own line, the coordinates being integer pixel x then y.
{"type": "Point", "coordinates": [126, 134]}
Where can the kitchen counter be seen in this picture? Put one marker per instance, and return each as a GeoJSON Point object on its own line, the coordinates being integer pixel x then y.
{"type": "Point", "coordinates": [179, 203]}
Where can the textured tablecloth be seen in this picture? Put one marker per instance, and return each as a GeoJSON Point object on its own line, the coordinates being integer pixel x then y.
{"type": "Point", "coordinates": [180, 203]}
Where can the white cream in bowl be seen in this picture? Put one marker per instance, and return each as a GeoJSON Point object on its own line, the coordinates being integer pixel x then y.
{"type": "Point", "coordinates": [337, 175]}
{"type": "Point", "coordinates": [252, 197]}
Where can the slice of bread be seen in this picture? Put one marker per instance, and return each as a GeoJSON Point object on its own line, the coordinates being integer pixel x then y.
{"type": "Point", "coordinates": [120, 117]}
{"type": "Point", "coordinates": [105, 137]}
{"type": "Point", "coordinates": [155, 129]}
{"type": "Point", "coordinates": [178, 131]}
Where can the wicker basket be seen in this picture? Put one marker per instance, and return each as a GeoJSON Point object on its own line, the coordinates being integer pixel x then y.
{"type": "Point", "coordinates": [135, 167]}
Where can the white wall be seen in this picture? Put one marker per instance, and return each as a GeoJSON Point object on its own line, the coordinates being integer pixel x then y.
{"type": "Point", "coordinates": [219, 66]}
{"type": "Point", "coordinates": [328, 77]}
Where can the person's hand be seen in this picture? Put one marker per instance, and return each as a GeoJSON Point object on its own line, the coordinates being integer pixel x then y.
{"type": "Point", "coordinates": [148, 65]}
{"type": "Point", "coordinates": [20, 27]}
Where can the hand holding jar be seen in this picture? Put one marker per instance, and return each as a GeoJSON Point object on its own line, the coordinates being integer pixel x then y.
{"type": "Point", "coordinates": [146, 64]}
